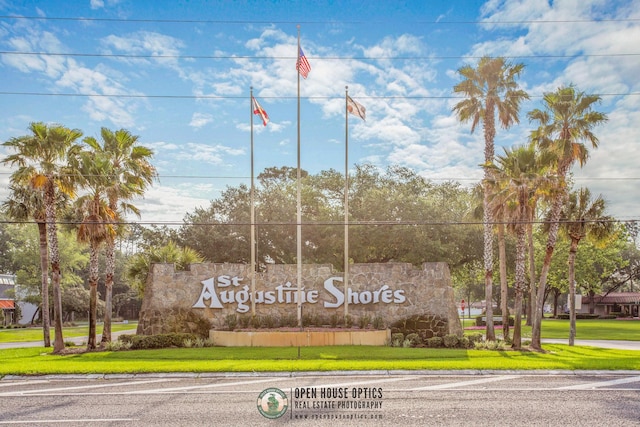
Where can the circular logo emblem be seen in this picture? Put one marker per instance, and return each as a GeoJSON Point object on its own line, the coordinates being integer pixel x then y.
{"type": "Point", "coordinates": [272, 403]}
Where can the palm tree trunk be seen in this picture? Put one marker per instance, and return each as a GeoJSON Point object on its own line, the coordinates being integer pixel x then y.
{"type": "Point", "coordinates": [44, 269]}
{"type": "Point", "coordinates": [489, 136]}
{"type": "Point", "coordinates": [108, 297]}
{"type": "Point", "coordinates": [52, 232]}
{"type": "Point", "coordinates": [488, 274]}
{"type": "Point", "coordinates": [532, 275]}
{"type": "Point", "coordinates": [572, 290]}
{"type": "Point", "coordinates": [504, 291]}
{"type": "Point", "coordinates": [554, 226]}
{"type": "Point", "coordinates": [93, 295]}
{"type": "Point", "coordinates": [519, 286]}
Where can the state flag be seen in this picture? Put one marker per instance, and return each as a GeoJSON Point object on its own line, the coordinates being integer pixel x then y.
{"type": "Point", "coordinates": [356, 108]}
{"type": "Point", "coordinates": [257, 109]}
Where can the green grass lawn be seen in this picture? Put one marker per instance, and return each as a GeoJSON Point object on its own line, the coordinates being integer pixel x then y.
{"type": "Point", "coordinates": [40, 361]}
{"type": "Point", "coordinates": [35, 334]}
{"type": "Point", "coordinates": [586, 329]}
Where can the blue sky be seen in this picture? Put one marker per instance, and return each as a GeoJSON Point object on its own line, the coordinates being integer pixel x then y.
{"type": "Point", "coordinates": [178, 74]}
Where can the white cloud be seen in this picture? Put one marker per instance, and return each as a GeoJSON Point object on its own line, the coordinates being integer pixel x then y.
{"type": "Point", "coordinates": [199, 120]}
{"type": "Point", "coordinates": [100, 4]}
{"type": "Point", "coordinates": [211, 154]}
{"type": "Point", "coordinates": [168, 204]}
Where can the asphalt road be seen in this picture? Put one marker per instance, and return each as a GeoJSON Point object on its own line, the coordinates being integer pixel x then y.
{"type": "Point", "coordinates": [408, 399]}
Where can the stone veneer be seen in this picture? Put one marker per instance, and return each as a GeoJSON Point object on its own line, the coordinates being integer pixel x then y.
{"type": "Point", "coordinates": [426, 291]}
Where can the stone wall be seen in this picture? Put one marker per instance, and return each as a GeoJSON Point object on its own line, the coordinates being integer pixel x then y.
{"type": "Point", "coordinates": [390, 291]}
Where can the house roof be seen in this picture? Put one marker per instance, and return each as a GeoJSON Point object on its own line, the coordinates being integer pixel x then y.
{"type": "Point", "coordinates": [614, 298]}
{"type": "Point", "coordinates": [7, 303]}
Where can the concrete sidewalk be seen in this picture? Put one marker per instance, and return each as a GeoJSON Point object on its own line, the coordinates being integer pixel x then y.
{"type": "Point", "coordinates": [621, 345]}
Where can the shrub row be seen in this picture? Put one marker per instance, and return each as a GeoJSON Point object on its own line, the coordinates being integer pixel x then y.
{"type": "Point", "coordinates": [580, 316]}
{"type": "Point", "coordinates": [234, 321]}
{"type": "Point", "coordinates": [144, 342]}
{"type": "Point", "coordinates": [481, 322]}
{"type": "Point", "coordinates": [448, 341]}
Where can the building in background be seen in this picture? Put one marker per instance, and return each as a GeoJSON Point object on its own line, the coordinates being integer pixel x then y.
{"type": "Point", "coordinates": [14, 310]}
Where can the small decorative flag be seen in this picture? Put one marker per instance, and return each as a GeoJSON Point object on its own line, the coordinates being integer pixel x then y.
{"type": "Point", "coordinates": [257, 109]}
{"type": "Point", "coordinates": [355, 108]}
{"type": "Point", "coordinates": [303, 65]}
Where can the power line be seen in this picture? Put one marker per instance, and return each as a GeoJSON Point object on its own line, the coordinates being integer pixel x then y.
{"type": "Point", "coordinates": [359, 58]}
{"type": "Point", "coordinates": [354, 223]}
{"type": "Point", "coordinates": [246, 22]}
{"type": "Point", "coordinates": [122, 95]}
{"type": "Point", "coordinates": [427, 178]}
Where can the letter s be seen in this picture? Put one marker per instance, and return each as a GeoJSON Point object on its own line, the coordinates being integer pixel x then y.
{"type": "Point", "coordinates": [339, 296]}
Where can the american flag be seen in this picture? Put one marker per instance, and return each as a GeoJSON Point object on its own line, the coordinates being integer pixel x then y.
{"type": "Point", "coordinates": [303, 65]}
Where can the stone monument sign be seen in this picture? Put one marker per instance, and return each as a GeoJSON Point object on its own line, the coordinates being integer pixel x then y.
{"type": "Point", "coordinates": [393, 292]}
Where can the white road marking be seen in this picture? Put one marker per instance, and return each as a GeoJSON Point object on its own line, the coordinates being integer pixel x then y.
{"type": "Point", "coordinates": [41, 391]}
{"type": "Point", "coordinates": [232, 384]}
{"type": "Point", "coordinates": [598, 384]}
{"type": "Point", "coordinates": [15, 383]}
{"type": "Point", "coordinates": [355, 383]}
{"type": "Point", "coordinates": [466, 383]}
{"type": "Point", "coordinates": [88, 420]}
{"type": "Point", "coordinates": [198, 387]}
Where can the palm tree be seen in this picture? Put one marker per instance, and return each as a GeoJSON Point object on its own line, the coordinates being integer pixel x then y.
{"type": "Point", "coordinates": [489, 87]}
{"type": "Point", "coordinates": [24, 204]}
{"type": "Point", "coordinates": [516, 178]}
{"type": "Point", "coordinates": [97, 224]}
{"type": "Point", "coordinates": [139, 265]}
{"type": "Point", "coordinates": [564, 125]}
{"type": "Point", "coordinates": [130, 175]}
{"type": "Point", "coordinates": [582, 217]}
{"type": "Point", "coordinates": [40, 158]}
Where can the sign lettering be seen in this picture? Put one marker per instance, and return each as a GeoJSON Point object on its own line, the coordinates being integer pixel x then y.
{"type": "Point", "coordinates": [222, 290]}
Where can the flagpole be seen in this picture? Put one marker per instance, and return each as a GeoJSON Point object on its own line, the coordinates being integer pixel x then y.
{"type": "Point", "coordinates": [346, 203]}
{"type": "Point", "coordinates": [253, 219]}
{"type": "Point", "coordinates": [299, 203]}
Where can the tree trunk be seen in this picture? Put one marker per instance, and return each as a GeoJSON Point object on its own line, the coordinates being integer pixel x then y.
{"type": "Point", "coordinates": [52, 232]}
{"type": "Point", "coordinates": [489, 136]}
{"type": "Point", "coordinates": [519, 285]}
{"type": "Point", "coordinates": [532, 275]}
{"type": "Point", "coordinates": [44, 270]}
{"type": "Point", "coordinates": [488, 269]}
{"type": "Point", "coordinates": [93, 295]}
{"type": "Point", "coordinates": [554, 225]}
{"type": "Point", "coordinates": [504, 291]}
{"type": "Point", "coordinates": [572, 290]}
{"type": "Point", "coordinates": [108, 296]}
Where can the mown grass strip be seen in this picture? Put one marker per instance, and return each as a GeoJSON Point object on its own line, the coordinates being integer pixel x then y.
{"type": "Point", "coordinates": [586, 329]}
{"type": "Point", "coordinates": [39, 361]}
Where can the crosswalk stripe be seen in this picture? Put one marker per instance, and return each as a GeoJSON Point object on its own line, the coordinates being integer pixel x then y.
{"type": "Point", "coordinates": [106, 384]}
{"type": "Point", "coordinates": [466, 383]}
{"type": "Point", "coordinates": [601, 384]}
